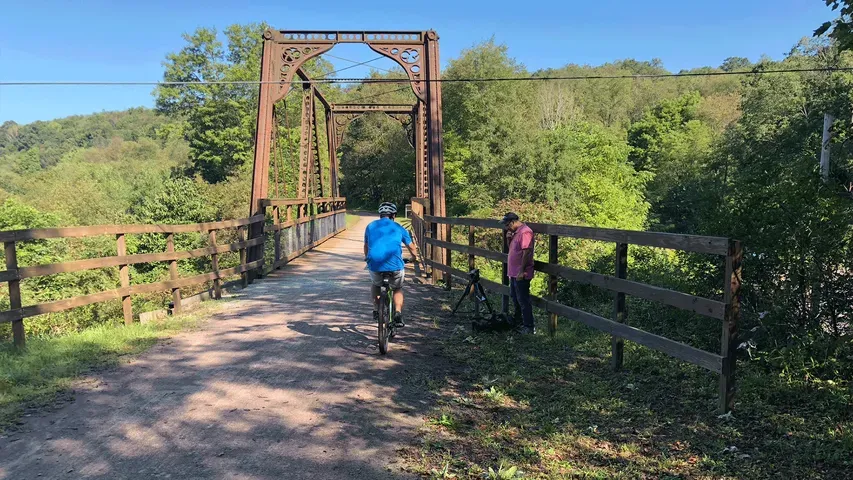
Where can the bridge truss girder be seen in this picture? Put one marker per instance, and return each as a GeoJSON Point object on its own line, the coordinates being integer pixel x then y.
{"type": "Point", "coordinates": [409, 118]}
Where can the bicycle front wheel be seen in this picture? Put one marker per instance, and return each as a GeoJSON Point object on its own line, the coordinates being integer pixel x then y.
{"type": "Point", "coordinates": [384, 320]}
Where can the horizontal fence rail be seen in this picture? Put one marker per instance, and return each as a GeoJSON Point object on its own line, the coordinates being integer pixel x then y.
{"type": "Point", "coordinates": [77, 232]}
{"type": "Point", "coordinates": [311, 221]}
{"type": "Point", "coordinates": [727, 311]}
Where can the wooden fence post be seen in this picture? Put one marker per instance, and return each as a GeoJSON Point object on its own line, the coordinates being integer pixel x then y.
{"type": "Point", "coordinates": [244, 275]}
{"type": "Point", "coordinates": [552, 282]}
{"type": "Point", "coordinates": [260, 250]}
{"type": "Point", "coordinates": [214, 262]}
{"type": "Point", "coordinates": [173, 274]}
{"type": "Point", "coordinates": [505, 274]}
{"type": "Point", "coordinates": [124, 277]}
{"type": "Point", "coordinates": [617, 344]}
{"type": "Point", "coordinates": [15, 295]}
{"type": "Point", "coordinates": [253, 273]}
{"type": "Point", "coordinates": [276, 219]}
{"type": "Point", "coordinates": [728, 341]}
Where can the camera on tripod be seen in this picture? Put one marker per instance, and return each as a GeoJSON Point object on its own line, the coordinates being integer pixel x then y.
{"type": "Point", "coordinates": [492, 321]}
{"type": "Point", "coordinates": [474, 275]}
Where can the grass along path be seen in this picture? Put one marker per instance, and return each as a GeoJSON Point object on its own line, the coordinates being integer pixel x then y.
{"type": "Point", "coordinates": [48, 366]}
{"type": "Point", "coordinates": [532, 407]}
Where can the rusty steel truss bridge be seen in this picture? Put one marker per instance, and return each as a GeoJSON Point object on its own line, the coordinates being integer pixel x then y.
{"type": "Point", "coordinates": [285, 53]}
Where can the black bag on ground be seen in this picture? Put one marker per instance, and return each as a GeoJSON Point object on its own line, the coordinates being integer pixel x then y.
{"type": "Point", "coordinates": [495, 323]}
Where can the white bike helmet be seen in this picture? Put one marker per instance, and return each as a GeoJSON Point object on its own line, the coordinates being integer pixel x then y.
{"type": "Point", "coordinates": [387, 208]}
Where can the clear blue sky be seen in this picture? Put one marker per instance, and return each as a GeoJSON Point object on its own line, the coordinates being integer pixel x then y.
{"type": "Point", "coordinates": [127, 41]}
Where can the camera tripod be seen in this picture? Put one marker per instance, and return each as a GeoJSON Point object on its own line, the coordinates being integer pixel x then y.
{"type": "Point", "coordinates": [478, 294]}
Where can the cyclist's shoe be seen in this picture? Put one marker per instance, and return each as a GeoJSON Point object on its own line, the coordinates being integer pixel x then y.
{"type": "Point", "coordinates": [527, 330]}
{"type": "Point", "coordinates": [375, 316]}
{"type": "Point", "coordinates": [398, 320]}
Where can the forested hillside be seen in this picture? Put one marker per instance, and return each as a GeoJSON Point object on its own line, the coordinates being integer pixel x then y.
{"type": "Point", "coordinates": [721, 155]}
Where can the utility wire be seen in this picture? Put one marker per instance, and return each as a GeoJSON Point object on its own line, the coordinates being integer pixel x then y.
{"type": "Point", "coordinates": [443, 80]}
{"type": "Point", "coordinates": [358, 63]}
{"type": "Point", "coordinates": [360, 99]}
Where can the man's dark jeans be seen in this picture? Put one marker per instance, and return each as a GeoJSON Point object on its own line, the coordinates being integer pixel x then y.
{"type": "Point", "coordinates": [520, 293]}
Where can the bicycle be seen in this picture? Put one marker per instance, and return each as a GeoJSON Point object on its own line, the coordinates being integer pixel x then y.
{"type": "Point", "coordinates": [386, 309]}
{"type": "Point", "coordinates": [386, 328]}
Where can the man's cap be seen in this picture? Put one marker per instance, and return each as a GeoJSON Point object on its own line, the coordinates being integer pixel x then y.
{"type": "Point", "coordinates": [509, 217]}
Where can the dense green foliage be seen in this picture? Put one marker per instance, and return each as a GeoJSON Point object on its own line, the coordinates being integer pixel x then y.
{"type": "Point", "coordinates": [376, 157]}
{"type": "Point", "coordinates": [219, 119]}
{"type": "Point", "coordinates": [765, 190]}
{"type": "Point", "coordinates": [378, 161]}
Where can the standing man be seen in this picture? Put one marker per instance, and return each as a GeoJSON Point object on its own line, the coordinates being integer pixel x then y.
{"type": "Point", "coordinates": [520, 269]}
{"type": "Point", "coordinates": [384, 256]}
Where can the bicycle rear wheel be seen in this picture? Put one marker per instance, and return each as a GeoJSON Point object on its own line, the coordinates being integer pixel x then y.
{"type": "Point", "coordinates": [384, 320]}
{"type": "Point", "coordinates": [392, 329]}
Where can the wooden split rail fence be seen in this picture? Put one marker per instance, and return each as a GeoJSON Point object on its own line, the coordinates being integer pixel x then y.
{"type": "Point", "coordinates": [301, 213]}
{"type": "Point", "coordinates": [726, 310]}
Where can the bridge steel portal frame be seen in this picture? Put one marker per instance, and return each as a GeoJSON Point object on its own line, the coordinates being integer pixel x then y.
{"type": "Point", "coordinates": [286, 51]}
{"type": "Point", "coordinates": [409, 117]}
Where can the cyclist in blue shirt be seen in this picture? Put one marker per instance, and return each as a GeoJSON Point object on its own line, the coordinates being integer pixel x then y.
{"type": "Point", "coordinates": [384, 255]}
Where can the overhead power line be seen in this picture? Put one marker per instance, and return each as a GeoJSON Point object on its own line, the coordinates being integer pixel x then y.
{"type": "Point", "coordinates": [368, 97]}
{"type": "Point", "coordinates": [357, 63]}
{"type": "Point", "coordinates": [443, 80]}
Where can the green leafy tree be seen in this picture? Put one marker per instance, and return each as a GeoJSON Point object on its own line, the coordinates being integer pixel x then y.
{"type": "Point", "coordinates": [220, 118]}
{"type": "Point", "coordinates": [378, 162]}
{"type": "Point", "coordinates": [673, 145]}
{"type": "Point", "coordinates": [734, 64]}
{"type": "Point", "coordinates": [214, 113]}
{"type": "Point", "coordinates": [16, 215]}
{"type": "Point", "coordinates": [489, 129]}
{"type": "Point", "coordinates": [177, 200]}
{"type": "Point", "coordinates": [840, 29]}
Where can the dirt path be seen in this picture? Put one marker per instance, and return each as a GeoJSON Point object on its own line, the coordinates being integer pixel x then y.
{"type": "Point", "coordinates": [284, 382]}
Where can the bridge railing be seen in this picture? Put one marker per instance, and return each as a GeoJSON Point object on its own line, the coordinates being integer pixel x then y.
{"type": "Point", "coordinates": [300, 224]}
{"type": "Point", "coordinates": [309, 222]}
{"type": "Point", "coordinates": [726, 310]}
{"type": "Point", "coordinates": [420, 208]}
